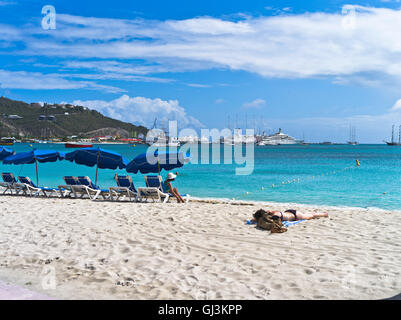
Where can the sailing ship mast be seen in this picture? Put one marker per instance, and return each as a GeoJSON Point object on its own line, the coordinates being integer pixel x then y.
{"type": "Point", "coordinates": [392, 135]}
{"type": "Point", "coordinates": [399, 135]}
{"type": "Point", "coordinates": [393, 143]}
{"type": "Point", "coordinates": [352, 139]}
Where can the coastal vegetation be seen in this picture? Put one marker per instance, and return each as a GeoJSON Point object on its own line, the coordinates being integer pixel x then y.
{"type": "Point", "coordinates": [35, 120]}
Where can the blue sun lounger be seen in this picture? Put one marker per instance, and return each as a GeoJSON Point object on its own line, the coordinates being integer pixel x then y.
{"type": "Point", "coordinates": [34, 190]}
{"type": "Point", "coordinates": [157, 182]}
{"type": "Point", "coordinates": [152, 191]}
{"type": "Point", "coordinates": [66, 190]}
{"type": "Point", "coordinates": [125, 188]}
{"type": "Point", "coordinates": [11, 184]}
{"type": "Point", "coordinates": [91, 189]}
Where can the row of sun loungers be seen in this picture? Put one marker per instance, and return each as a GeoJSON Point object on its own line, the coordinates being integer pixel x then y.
{"type": "Point", "coordinates": [82, 187]}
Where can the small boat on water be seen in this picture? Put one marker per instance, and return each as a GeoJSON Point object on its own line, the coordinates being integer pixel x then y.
{"type": "Point", "coordinates": [7, 141]}
{"type": "Point", "coordinates": [78, 145]}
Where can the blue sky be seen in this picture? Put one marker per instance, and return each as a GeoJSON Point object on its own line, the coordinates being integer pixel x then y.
{"type": "Point", "coordinates": [312, 68]}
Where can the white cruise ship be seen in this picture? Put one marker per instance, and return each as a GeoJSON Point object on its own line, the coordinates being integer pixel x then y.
{"type": "Point", "coordinates": [278, 138]}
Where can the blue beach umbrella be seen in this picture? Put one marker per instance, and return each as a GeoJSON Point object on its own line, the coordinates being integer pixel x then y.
{"type": "Point", "coordinates": [162, 160]}
{"type": "Point", "coordinates": [34, 156]}
{"type": "Point", "coordinates": [4, 153]}
{"type": "Point", "coordinates": [101, 158]}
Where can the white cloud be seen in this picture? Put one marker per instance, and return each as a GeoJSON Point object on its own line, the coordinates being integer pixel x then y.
{"type": "Point", "coordinates": [397, 105]}
{"type": "Point", "coordinates": [198, 85]}
{"type": "Point", "coordinates": [257, 103]}
{"type": "Point", "coordinates": [143, 111]}
{"type": "Point", "coordinates": [136, 68]}
{"type": "Point", "coordinates": [287, 46]}
{"type": "Point", "coordinates": [7, 3]}
{"type": "Point", "coordinates": [40, 81]}
{"type": "Point", "coordinates": [210, 26]}
{"type": "Point", "coordinates": [9, 33]}
{"type": "Point", "coordinates": [291, 46]}
{"type": "Point", "coordinates": [119, 76]}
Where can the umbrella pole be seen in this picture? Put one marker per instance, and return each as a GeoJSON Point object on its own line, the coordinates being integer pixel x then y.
{"type": "Point", "coordinates": [37, 176]}
{"type": "Point", "coordinates": [97, 166]}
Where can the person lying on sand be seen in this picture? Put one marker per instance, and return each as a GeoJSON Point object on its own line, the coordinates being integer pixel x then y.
{"type": "Point", "coordinates": [292, 215]}
{"type": "Point", "coordinates": [169, 188]}
{"type": "Point", "coordinates": [268, 222]}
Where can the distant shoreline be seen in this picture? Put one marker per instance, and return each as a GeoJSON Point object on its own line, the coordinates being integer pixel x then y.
{"type": "Point", "coordinates": [267, 146]}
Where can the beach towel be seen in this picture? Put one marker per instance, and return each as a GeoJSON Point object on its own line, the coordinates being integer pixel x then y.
{"type": "Point", "coordinates": [285, 223]}
{"type": "Point", "coordinates": [291, 223]}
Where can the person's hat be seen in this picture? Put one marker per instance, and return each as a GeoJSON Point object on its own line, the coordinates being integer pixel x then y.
{"type": "Point", "coordinates": [171, 176]}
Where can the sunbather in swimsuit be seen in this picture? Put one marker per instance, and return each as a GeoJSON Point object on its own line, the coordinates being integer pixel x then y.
{"type": "Point", "coordinates": [285, 217]}
{"type": "Point", "coordinates": [292, 215]}
{"type": "Point", "coordinates": [268, 222]}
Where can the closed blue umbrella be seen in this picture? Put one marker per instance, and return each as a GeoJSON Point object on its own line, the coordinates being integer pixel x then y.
{"type": "Point", "coordinates": [165, 160]}
{"type": "Point", "coordinates": [4, 153]}
{"type": "Point", "coordinates": [34, 156]}
{"type": "Point", "coordinates": [101, 158]}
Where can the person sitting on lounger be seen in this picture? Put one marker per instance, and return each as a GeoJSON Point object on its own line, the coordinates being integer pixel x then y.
{"type": "Point", "coordinates": [293, 215]}
{"type": "Point", "coordinates": [169, 188]}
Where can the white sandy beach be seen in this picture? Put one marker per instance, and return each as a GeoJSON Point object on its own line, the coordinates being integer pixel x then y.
{"type": "Point", "coordinates": [79, 249]}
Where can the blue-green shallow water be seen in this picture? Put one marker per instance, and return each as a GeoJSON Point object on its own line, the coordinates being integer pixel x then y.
{"type": "Point", "coordinates": [376, 183]}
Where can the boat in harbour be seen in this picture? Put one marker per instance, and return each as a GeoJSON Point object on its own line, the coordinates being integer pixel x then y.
{"type": "Point", "coordinates": [166, 142]}
{"type": "Point", "coordinates": [238, 138]}
{"type": "Point", "coordinates": [277, 139]}
{"type": "Point", "coordinates": [78, 145]}
{"type": "Point", "coordinates": [157, 137]}
{"type": "Point", "coordinates": [7, 141]}
{"type": "Point", "coordinates": [352, 141]}
{"type": "Point", "coordinates": [162, 140]}
{"type": "Point", "coordinates": [393, 142]}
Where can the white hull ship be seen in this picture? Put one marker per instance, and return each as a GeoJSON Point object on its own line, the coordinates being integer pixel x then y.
{"type": "Point", "coordinates": [193, 140]}
{"type": "Point", "coordinates": [277, 139]}
{"type": "Point", "coordinates": [164, 142]}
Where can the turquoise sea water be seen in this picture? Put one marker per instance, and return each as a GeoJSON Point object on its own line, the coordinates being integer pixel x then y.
{"type": "Point", "coordinates": [314, 174]}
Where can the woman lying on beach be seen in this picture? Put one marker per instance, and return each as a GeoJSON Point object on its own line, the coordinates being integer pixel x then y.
{"type": "Point", "coordinates": [169, 188]}
{"type": "Point", "coordinates": [268, 222]}
{"type": "Point", "coordinates": [292, 215]}
{"type": "Point", "coordinates": [272, 220]}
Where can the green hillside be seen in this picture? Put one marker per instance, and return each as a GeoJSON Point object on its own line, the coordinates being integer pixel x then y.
{"type": "Point", "coordinates": [59, 121]}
